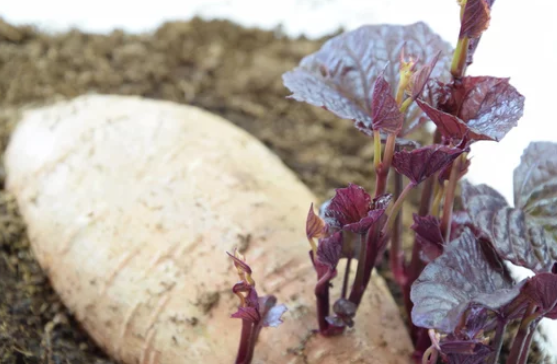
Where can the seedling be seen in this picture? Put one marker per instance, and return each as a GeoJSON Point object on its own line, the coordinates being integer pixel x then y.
{"type": "Point", "coordinates": [390, 80]}
{"type": "Point", "coordinates": [254, 311]}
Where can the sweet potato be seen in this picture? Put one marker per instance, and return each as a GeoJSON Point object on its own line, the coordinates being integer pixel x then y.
{"type": "Point", "coordinates": [131, 205]}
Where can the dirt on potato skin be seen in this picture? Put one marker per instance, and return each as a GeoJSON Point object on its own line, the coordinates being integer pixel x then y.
{"type": "Point", "coordinates": [224, 68]}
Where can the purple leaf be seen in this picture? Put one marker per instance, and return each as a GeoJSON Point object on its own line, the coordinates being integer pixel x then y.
{"type": "Point", "coordinates": [535, 189]}
{"type": "Point", "coordinates": [536, 175]}
{"type": "Point", "coordinates": [266, 303]}
{"type": "Point", "coordinates": [479, 355]}
{"type": "Point", "coordinates": [475, 18]}
{"type": "Point", "coordinates": [541, 290]}
{"type": "Point", "coordinates": [459, 279]}
{"type": "Point", "coordinates": [491, 106]}
{"type": "Point", "coordinates": [429, 236]}
{"type": "Point", "coordinates": [241, 287]}
{"type": "Point", "coordinates": [381, 202]}
{"type": "Point", "coordinates": [335, 321]}
{"type": "Point", "coordinates": [329, 250]}
{"type": "Point", "coordinates": [421, 163]}
{"type": "Point", "coordinates": [473, 325]}
{"type": "Point", "coordinates": [240, 264]}
{"type": "Point", "coordinates": [247, 313]}
{"type": "Point", "coordinates": [315, 226]}
{"type": "Point", "coordinates": [514, 236]}
{"type": "Point", "coordinates": [273, 317]}
{"type": "Point", "coordinates": [351, 210]}
{"type": "Point", "coordinates": [270, 311]}
{"type": "Point", "coordinates": [421, 77]}
{"type": "Point", "coordinates": [339, 77]}
{"type": "Point", "coordinates": [385, 114]}
{"type": "Point", "coordinates": [345, 311]}
{"type": "Point", "coordinates": [473, 42]}
{"type": "Point", "coordinates": [451, 128]}
{"type": "Point", "coordinates": [252, 299]}
{"type": "Point", "coordinates": [488, 108]}
{"type": "Point", "coordinates": [460, 221]}
{"type": "Point", "coordinates": [451, 345]}
{"type": "Point", "coordinates": [250, 310]}
{"type": "Point", "coordinates": [445, 173]}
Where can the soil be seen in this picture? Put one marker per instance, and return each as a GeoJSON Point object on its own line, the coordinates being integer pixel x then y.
{"type": "Point", "coordinates": [229, 70]}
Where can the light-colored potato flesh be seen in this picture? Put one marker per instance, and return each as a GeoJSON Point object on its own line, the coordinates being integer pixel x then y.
{"type": "Point", "coordinates": [131, 205]}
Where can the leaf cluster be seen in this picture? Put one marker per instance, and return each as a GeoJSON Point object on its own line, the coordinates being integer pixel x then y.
{"type": "Point", "coordinates": [389, 81]}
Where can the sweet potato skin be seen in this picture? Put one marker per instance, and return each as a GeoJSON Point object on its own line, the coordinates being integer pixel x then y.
{"type": "Point", "coordinates": [131, 205]}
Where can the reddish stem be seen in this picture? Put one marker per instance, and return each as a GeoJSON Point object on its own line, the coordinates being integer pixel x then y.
{"type": "Point", "coordinates": [374, 243]}
{"type": "Point", "coordinates": [346, 278]}
{"type": "Point", "coordinates": [416, 265]}
{"type": "Point", "coordinates": [396, 256]}
{"type": "Point", "coordinates": [383, 171]}
{"type": "Point", "coordinates": [527, 343]}
{"type": "Point", "coordinates": [449, 200]}
{"type": "Point", "coordinates": [322, 298]}
{"type": "Point", "coordinates": [497, 342]}
{"type": "Point", "coordinates": [523, 339]}
{"type": "Point", "coordinates": [358, 285]}
{"type": "Point", "coordinates": [396, 207]}
{"type": "Point", "coordinates": [247, 344]}
{"type": "Point", "coordinates": [427, 194]}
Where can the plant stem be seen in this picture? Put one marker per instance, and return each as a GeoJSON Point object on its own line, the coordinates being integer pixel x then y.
{"type": "Point", "coordinates": [376, 243]}
{"type": "Point", "coordinates": [253, 340]}
{"type": "Point", "coordinates": [245, 350]}
{"type": "Point", "coordinates": [462, 8]}
{"type": "Point", "coordinates": [358, 285]}
{"type": "Point", "coordinates": [430, 356]}
{"type": "Point", "coordinates": [406, 104]}
{"type": "Point", "coordinates": [377, 150]}
{"type": "Point", "coordinates": [522, 341]}
{"type": "Point", "coordinates": [497, 343]}
{"type": "Point", "coordinates": [380, 183]}
{"type": "Point", "coordinates": [427, 189]}
{"type": "Point", "coordinates": [396, 256]}
{"type": "Point", "coordinates": [425, 200]}
{"type": "Point", "coordinates": [400, 93]}
{"type": "Point", "coordinates": [394, 210]}
{"type": "Point", "coordinates": [389, 152]}
{"type": "Point", "coordinates": [422, 342]}
{"type": "Point", "coordinates": [322, 298]}
{"type": "Point", "coordinates": [383, 172]}
{"type": "Point", "coordinates": [527, 343]}
{"type": "Point", "coordinates": [416, 265]}
{"type": "Point", "coordinates": [413, 272]}
{"type": "Point", "coordinates": [374, 246]}
{"type": "Point", "coordinates": [438, 196]}
{"type": "Point", "coordinates": [458, 65]}
{"type": "Point", "coordinates": [346, 277]}
{"type": "Point", "coordinates": [449, 200]}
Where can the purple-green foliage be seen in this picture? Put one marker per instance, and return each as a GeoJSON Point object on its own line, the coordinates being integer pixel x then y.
{"type": "Point", "coordinates": [389, 80]}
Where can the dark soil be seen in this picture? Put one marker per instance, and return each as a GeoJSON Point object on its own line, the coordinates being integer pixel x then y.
{"type": "Point", "coordinates": [229, 70]}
